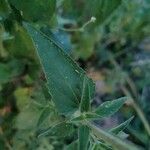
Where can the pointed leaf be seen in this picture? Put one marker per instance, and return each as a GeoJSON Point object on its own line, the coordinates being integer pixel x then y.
{"type": "Point", "coordinates": [64, 76]}
{"type": "Point", "coordinates": [45, 113]}
{"type": "Point", "coordinates": [112, 140]}
{"type": "Point", "coordinates": [122, 126]}
{"type": "Point", "coordinates": [62, 129]}
{"type": "Point", "coordinates": [83, 137]}
{"type": "Point", "coordinates": [110, 107]}
{"type": "Point", "coordinates": [86, 95]}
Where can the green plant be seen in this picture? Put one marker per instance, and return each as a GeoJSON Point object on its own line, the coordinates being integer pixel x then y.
{"type": "Point", "coordinates": [72, 92]}
{"type": "Point", "coordinates": [55, 110]}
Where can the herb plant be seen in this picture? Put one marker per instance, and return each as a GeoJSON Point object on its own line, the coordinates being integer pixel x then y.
{"type": "Point", "coordinates": [72, 92]}
{"type": "Point", "coordinates": [47, 101]}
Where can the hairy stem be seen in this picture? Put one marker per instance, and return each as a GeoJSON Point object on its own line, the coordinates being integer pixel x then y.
{"type": "Point", "coordinates": [115, 142]}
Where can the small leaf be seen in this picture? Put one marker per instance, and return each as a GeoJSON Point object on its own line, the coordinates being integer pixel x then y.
{"type": "Point", "coordinates": [86, 95]}
{"type": "Point", "coordinates": [62, 129]}
{"type": "Point", "coordinates": [83, 137]}
{"type": "Point", "coordinates": [45, 113]}
{"type": "Point", "coordinates": [122, 126]}
{"type": "Point", "coordinates": [64, 76]}
{"type": "Point", "coordinates": [110, 107]}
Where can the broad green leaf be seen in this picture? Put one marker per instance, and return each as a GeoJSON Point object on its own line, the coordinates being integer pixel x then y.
{"type": "Point", "coordinates": [122, 126]}
{"type": "Point", "coordinates": [45, 113]}
{"type": "Point", "coordinates": [64, 77]}
{"type": "Point", "coordinates": [62, 129]}
{"type": "Point", "coordinates": [35, 10]}
{"type": "Point", "coordinates": [101, 9]}
{"type": "Point", "coordinates": [110, 107]}
{"type": "Point", "coordinates": [83, 137]}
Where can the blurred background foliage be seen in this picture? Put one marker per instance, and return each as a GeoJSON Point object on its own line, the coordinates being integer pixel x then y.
{"type": "Point", "coordinates": [114, 51]}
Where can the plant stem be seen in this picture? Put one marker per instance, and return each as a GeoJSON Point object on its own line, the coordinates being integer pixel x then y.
{"type": "Point", "coordinates": [80, 29]}
{"type": "Point", "coordinates": [142, 116]}
{"type": "Point", "coordinates": [115, 142]}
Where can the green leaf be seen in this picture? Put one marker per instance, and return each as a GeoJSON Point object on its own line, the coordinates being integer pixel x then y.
{"type": "Point", "coordinates": [110, 139]}
{"type": "Point", "coordinates": [35, 10]}
{"type": "Point", "coordinates": [121, 127]}
{"type": "Point", "coordinates": [83, 137]}
{"type": "Point", "coordinates": [64, 77]}
{"type": "Point", "coordinates": [45, 113]}
{"type": "Point", "coordinates": [86, 94]}
{"type": "Point", "coordinates": [62, 129]}
{"type": "Point", "coordinates": [110, 107]}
